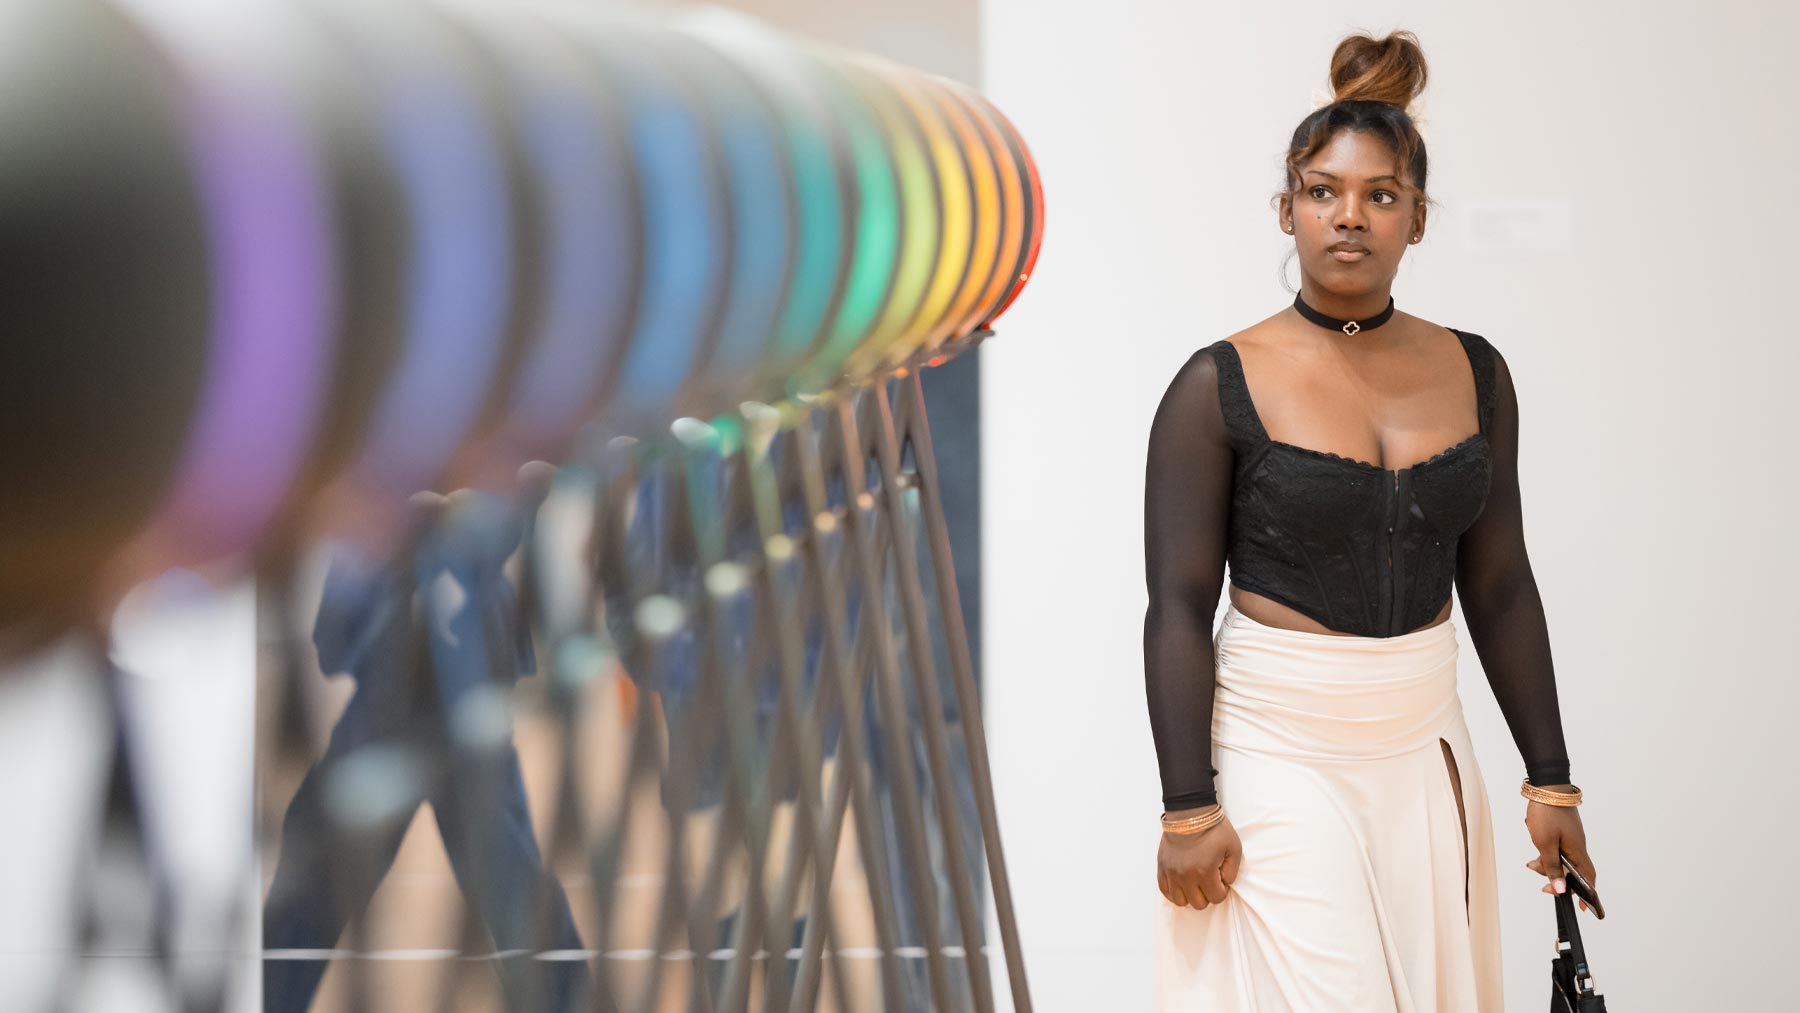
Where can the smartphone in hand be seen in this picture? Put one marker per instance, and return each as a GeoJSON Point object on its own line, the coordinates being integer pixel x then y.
{"type": "Point", "coordinates": [1583, 889]}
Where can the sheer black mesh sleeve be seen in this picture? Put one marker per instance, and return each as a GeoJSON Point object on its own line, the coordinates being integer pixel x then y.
{"type": "Point", "coordinates": [1501, 606]}
{"type": "Point", "coordinates": [1187, 509]}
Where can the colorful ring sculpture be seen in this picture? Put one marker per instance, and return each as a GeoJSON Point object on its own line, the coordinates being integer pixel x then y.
{"type": "Point", "coordinates": [349, 242]}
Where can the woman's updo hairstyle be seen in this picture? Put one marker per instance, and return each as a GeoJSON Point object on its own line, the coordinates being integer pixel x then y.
{"type": "Point", "coordinates": [1373, 81]}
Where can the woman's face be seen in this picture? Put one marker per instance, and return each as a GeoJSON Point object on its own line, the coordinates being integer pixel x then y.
{"type": "Point", "coordinates": [1351, 219]}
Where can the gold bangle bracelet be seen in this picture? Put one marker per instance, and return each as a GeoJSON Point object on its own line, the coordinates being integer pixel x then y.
{"type": "Point", "coordinates": [1548, 797]}
{"type": "Point", "coordinates": [1192, 824]}
{"type": "Point", "coordinates": [1201, 818]}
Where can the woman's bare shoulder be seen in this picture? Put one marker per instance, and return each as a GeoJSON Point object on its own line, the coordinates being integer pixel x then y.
{"type": "Point", "coordinates": [1202, 367]}
{"type": "Point", "coordinates": [1430, 330]}
{"type": "Point", "coordinates": [1265, 333]}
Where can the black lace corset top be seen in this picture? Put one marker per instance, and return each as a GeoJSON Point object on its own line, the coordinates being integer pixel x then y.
{"type": "Point", "coordinates": [1360, 548]}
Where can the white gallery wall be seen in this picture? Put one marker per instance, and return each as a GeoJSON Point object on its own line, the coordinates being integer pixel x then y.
{"type": "Point", "coordinates": [1617, 188]}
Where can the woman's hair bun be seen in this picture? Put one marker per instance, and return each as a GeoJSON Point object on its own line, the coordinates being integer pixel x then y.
{"type": "Point", "coordinates": [1390, 69]}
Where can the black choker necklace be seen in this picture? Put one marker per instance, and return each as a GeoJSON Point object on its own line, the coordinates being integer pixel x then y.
{"type": "Point", "coordinates": [1347, 326]}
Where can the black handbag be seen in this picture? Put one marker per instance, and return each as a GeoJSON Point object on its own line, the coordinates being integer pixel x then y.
{"type": "Point", "coordinates": [1571, 980]}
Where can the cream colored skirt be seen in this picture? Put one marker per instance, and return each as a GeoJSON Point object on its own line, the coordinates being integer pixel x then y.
{"type": "Point", "coordinates": [1351, 893]}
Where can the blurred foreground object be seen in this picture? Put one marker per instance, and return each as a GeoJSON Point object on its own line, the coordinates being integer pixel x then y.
{"type": "Point", "coordinates": [269, 270]}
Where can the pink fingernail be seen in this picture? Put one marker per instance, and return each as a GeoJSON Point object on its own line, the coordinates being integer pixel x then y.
{"type": "Point", "coordinates": [1561, 887]}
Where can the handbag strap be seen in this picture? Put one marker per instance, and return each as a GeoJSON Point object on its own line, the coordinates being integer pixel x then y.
{"type": "Point", "coordinates": [1568, 938]}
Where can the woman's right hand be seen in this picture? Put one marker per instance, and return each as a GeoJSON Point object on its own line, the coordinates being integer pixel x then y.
{"type": "Point", "coordinates": [1194, 870]}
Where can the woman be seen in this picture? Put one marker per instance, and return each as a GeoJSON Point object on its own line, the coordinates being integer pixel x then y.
{"type": "Point", "coordinates": [1352, 462]}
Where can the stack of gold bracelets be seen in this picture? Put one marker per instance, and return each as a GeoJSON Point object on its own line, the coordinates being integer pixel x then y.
{"type": "Point", "coordinates": [1200, 823]}
{"type": "Point", "coordinates": [1192, 824]}
{"type": "Point", "coordinates": [1548, 797]}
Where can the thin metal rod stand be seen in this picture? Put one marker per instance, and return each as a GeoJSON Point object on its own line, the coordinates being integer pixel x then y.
{"type": "Point", "coordinates": [916, 428]}
{"type": "Point", "coordinates": [931, 709]}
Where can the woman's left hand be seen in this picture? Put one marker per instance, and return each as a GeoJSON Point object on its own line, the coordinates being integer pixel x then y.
{"type": "Point", "coordinates": [1556, 830]}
